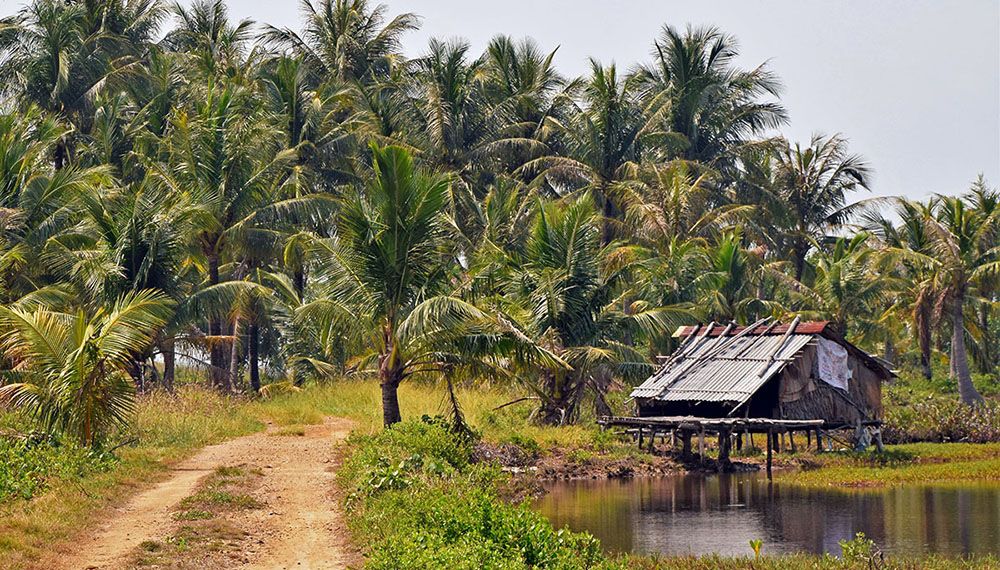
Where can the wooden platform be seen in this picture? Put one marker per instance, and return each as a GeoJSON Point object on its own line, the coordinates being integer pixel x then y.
{"type": "Point", "coordinates": [713, 425]}
{"type": "Point", "coordinates": [726, 428]}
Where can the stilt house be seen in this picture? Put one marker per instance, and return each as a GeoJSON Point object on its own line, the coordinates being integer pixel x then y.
{"type": "Point", "coordinates": [796, 371]}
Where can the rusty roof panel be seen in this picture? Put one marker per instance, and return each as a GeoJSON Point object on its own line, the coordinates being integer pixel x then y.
{"type": "Point", "coordinates": [808, 327]}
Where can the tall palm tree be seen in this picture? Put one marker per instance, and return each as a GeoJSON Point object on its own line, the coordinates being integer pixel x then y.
{"type": "Point", "coordinates": [806, 196]}
{"type": "Point", "coordinates": [714, 106]}
{"type": "Point", "coordinates": [345, 40]}
{"type": "Point", "coordinates": [59, 55]}
{"type": "Point", "coordinates": [69, 371]}
{"type": "Point", "coordinates": [962, 243]}
{"type": "Point", "coordinates": [598, 143]}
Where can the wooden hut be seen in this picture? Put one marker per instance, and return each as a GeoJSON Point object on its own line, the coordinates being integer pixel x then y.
{"type": "Point", "coordinates": [795, 371]}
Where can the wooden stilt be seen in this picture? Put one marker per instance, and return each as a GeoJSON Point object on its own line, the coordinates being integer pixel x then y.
{"type": "Point", "coordinates": [640, 438]}
{"type": "Point", "coordinates": [701, 445]}
{"type": "Point", "coordinates": [686, 445]}
{"type": "Point", "coordinates": [819, 441]}
{"type": "Point", "coordinates": [791, 440]}
{"type": "Point", "coordinates": [769, 455]}
{"type": "Point", "coordinates": [725, 442]}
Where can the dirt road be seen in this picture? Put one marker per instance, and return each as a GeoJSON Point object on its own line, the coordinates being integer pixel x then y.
{"type": "Point", "coordinates": [299, 524]}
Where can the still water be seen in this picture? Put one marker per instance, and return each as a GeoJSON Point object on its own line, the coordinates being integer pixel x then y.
{"type": "Point", "coordinates": [701, 514]}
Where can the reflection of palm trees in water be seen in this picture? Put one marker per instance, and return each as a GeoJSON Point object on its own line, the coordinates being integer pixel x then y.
{"type": "Point", "coordinates": [721, 513]}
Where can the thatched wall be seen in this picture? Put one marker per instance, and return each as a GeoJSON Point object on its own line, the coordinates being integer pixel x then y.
{"type": "Point", "coordinates": [803, 396]}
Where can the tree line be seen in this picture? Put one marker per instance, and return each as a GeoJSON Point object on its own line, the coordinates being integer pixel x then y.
{"type": "Point", "coordinates": [256, 201]}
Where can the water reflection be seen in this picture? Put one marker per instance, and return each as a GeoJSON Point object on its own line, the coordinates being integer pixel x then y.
{"type": "Point", "coordinates": [698, 514]}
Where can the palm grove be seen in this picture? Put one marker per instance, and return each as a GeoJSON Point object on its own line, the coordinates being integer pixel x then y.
{"type": "Point", "coordinates": [181, 186]}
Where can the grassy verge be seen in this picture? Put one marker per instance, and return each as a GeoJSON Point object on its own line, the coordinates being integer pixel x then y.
{"type": "Point", "coordinates": [930, 463]}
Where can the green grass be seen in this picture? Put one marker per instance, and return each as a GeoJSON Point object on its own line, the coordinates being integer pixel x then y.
{"type": "Point", "coordinates": [937, 463]}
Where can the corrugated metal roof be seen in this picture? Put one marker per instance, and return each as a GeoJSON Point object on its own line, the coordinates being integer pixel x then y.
{"type": "Point", "coordinates": [718, 367]}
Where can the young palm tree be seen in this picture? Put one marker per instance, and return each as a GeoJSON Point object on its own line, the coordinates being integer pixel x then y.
{"type": "Point", "coordinates": [389, 257]}
{"type": "Point", "coordinates": [69, 371]}
{"type": "Point", "coordinates": [564, 294]}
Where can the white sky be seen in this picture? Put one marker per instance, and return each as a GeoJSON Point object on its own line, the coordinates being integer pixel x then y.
{"type": "Point", "coordinates": [914, 84]}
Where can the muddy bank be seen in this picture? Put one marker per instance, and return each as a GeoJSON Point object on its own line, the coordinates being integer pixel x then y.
{"type": "Point", "coordinates": [568, 464]}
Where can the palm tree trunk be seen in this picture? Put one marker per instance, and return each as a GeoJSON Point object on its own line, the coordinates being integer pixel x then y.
{"type": "Point", "coordinates": [984, 360]}
{"type": "Point", "coordinates": [254, 350]}
{"type": "Point", "coordinates": [391, 375]}
{"type": "Point", "coordinates": [219, 369]}
{"type": "Point", "coordinates": [959, 359]}
{"type": "Point", "coordinates": [924, 339]}
{"type": "Point", "coordinates": [169, 363]}
{"type": "Point", "coordinates": [234, 357]}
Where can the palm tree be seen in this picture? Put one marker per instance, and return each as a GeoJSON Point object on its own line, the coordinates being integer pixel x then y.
{"type": "Point", "coordinates": [846, 288]}
{"type": "Point", "coordinates": [207, 38]}
{"type": "Point", "coordinates": [345, 40]}
{"type": "Point", "coordinates": [69, 371]}
{"type": "Point", "coordinates": [562, 293]}
{"type": "Point", "coordinates": [806, 195]}
{"type": "Point", "coordinates": [229, 162]}
{"type": "Point", "coordinates": [388, 258]}
{"type": "Point", "coordinates": [915, 281]}
{"type": "Point", "coordinates": [731, 287]}
{"type": "Point", "coordinates": [709, 106]}
{"type": "Point", "coordinates": [965, 253]}
{"type": "Point", "coordinates": [59, 55]}
{"type": "Point", "coordinates": [599, 142]}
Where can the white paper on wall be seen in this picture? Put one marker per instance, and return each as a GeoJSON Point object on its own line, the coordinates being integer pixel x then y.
{"type": "Point", "coordinates": [831, 363]}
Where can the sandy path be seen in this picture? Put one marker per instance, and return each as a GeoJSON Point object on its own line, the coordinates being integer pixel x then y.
{"type": "Point", "coordinates": [303, 527]}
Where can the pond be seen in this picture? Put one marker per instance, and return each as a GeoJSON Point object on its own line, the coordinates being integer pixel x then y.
{"type": "Point", "coordinates": [703, 514]}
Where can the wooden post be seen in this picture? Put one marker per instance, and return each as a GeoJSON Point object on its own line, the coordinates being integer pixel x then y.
{"type": "Point", "coordinates": [724, 443]}
{"type": "Point", "coordinates": [769, 454]}
{"type": "Point", "coordinates": [701, 444]}
{"type": "Point", "coordinates": [809, 440]}
{"type": "Point", "coordinates": [819, 441]}
{"type": "Point", "coordinates": [640, 437]}
{"type": "Point", "coordinates": [685, 445]}
{"type": "Point", "coordinates": [791, 440]}
{"type": "Point", "coordinates": [652, 439]}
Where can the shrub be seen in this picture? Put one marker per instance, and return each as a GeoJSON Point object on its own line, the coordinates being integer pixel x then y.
{"type": "Point", "coordinates": [912, 418]}
{"type": "Point", "coordinates": [29, 463]}
{"type": "Point", "coordinates": [418, 502]}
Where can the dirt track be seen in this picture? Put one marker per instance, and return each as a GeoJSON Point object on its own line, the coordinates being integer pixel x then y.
{"type": "Point", "coordinates": [301, 526]}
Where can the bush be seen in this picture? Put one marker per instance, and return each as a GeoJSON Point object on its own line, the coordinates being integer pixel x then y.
{"type": "Point", "coordinates": [28, 463]}
{"type": "Point", "coordinates": [418, 502]}
{"type": "Point", "coordinates": [933, 418]}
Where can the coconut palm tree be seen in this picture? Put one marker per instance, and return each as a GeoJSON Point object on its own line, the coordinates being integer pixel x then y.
{"type": "Point", "coordinates": [345, 40]}
{"type": "Point", "coordinates": [598, 144]}
{"type": "Point", "coordinates": [806, 195]}
{"type": "Point", "coordinates": [561, 292]}
{"type": "Point", "coordinates": [708, 105]}
{"type": "Point", "coordinates": [59, 55]}
{"type": "Point", "coordinates": [965, 253]}
{"type": "Point", "coordinates": [389, 257]}
{"type": "Point", "coordinates": [69, 370]}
